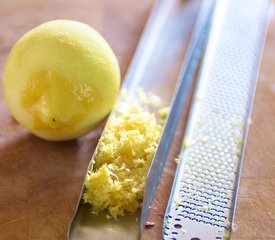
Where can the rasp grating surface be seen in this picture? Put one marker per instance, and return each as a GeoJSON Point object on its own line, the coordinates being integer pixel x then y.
{"type": "Point", "coordinates": [202, 199]}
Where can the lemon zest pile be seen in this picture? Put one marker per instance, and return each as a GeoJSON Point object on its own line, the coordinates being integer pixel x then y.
{"type": "Point", "coordinates": [122, 160]}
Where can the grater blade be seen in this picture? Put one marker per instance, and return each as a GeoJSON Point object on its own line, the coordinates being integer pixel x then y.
{"type": "Point", "coordinates": [203, 199]}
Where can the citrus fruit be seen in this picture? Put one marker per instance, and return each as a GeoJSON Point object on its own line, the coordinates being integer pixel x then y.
{"type": "Point", "coordinates": [61, 79]}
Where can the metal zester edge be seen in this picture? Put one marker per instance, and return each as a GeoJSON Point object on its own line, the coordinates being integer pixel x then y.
{"type": "Point", "coordinates": [203, 199]}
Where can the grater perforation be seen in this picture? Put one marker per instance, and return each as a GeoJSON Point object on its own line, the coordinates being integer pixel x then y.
{"type": "Point", "coordinates": [201, 204]}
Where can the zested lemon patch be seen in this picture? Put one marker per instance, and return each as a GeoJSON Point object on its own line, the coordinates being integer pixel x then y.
{"type": "Point", "coordinates": [42, 96]}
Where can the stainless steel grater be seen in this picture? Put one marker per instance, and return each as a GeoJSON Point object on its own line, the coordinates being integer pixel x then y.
{"type": "Point", "coordinates": [203, 199]}
{"type": "Point", "coordinates": [154, 68]}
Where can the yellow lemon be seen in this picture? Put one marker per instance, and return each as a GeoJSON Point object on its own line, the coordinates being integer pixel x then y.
{"type": "Point", "coordinates": [61, 79]}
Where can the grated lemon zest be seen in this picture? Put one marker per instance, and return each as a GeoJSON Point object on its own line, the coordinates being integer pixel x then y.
{"type": "Point", "coordinates": [122, 160]}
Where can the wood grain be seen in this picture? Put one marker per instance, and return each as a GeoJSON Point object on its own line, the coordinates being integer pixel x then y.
{"type": "Point", "coordinates": [40, 180]}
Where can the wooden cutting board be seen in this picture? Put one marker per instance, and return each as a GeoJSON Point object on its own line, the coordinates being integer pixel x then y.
{"type": "Point", "coordinates": [40, 180]}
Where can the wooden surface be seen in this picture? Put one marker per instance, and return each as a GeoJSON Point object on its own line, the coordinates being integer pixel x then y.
{"type": "Point", "coordinates": [40, 181]}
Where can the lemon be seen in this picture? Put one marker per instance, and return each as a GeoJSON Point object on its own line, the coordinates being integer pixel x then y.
{"type": "Point", "coordinates": [61, 79]}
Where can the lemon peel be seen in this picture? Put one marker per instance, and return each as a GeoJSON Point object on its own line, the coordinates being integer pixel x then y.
{"type": "Point", "coordinates": [61, 79]}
